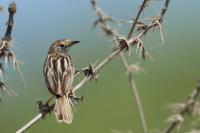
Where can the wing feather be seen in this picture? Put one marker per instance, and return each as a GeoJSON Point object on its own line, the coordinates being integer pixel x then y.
{"type": "Point", "coordinates": [59, 74]}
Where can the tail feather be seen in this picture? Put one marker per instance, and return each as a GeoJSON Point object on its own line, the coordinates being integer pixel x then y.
{"type": "Point", "coordinates": [57, 111]}
{"type": "Point", "coordinates": [63, 111]}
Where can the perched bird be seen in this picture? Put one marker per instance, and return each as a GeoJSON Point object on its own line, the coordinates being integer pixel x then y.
{"type": "Point", "coordinates": [58, 71]}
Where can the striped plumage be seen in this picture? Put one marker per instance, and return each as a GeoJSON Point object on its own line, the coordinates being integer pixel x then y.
{"type": "Point", "coordinates": [59, 72]}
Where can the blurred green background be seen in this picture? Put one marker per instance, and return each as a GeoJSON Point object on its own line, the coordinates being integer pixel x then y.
{"type": "Point", "coordinates": [109, 103]}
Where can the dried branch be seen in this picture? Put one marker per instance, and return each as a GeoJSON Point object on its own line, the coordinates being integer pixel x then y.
{"type": "Point", "coordinates": [102, 16]}
{"type": "Point", "coordinates": [5, 53]}
{"type": "Point", "coordinates": [157, 20]}
{"type": "Point", "coordinates": [130, 77]}
{"type": "Point", "coordinates": [12, 10]}
{"type": "Point", "coordinates": [110, 32]}
{"type": "Point", "coordinates": [30, 123]}
{"type": "Point", "coordinates": [178, 118]}
{"type": "Point", "coordinates": [164, 9]}
{"type": "Point", "coordinates": [136, 19]}
{"type": "Point", "coordinates": [44, 109]}
{"type": "Point", "coordinates": [130, 70]}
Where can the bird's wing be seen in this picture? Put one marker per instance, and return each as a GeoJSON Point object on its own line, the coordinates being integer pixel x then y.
{"type": "Point", "coordinates": [59, 75]}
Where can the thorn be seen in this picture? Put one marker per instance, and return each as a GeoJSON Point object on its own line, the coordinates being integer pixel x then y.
{"type": "Point", "coordinates": [91, 71]}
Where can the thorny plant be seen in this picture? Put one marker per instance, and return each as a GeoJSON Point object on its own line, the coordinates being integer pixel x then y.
{"type": "Point", "coordinates": [6, 54]}
{"type": "Point", "coordinates": [190, 107]}
{"type": "Point", "coordinates": [126, 42]}
{"type": "Point", "coordinates": [180, 111]}
{"type": "Point", "coordinates": [122, 45]}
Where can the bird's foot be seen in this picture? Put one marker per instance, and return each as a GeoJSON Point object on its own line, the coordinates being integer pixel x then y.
{"type": "Point", "coordinates": [44, 108]}
{"type": "Point", "coordinates": [76, 99]}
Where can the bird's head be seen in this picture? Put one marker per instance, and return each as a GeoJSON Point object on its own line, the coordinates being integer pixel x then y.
{"type": "Point", "coordinates": [62, 46]}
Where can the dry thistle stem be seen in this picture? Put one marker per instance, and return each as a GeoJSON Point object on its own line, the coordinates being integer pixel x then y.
{"type": "Point", "coordinates": [6, 54]}
{"type": "Point", "coordinates": [12, 10]}
{"type": "Point", "coordinates": [141, 8]}
{"type": "Point", "coordinates": [102, 20]}
{"type": "Point", "coordinates": [187, 107]}
{"type": "Point", "coordinates": [177, 118]}
{"type": "Point", "coordinates": [102, 17]}
{"type": "Point", "coordinates": [124, 44]}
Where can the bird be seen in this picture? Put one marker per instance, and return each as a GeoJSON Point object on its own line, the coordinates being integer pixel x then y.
{"type": "Point", "coordinates": [58, 72]}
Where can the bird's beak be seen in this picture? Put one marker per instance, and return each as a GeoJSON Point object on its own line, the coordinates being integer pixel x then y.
{"type": "Point", "coordinates": [74, 42]}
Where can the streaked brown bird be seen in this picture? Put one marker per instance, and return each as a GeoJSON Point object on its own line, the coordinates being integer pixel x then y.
{"type": "Point", "coordinates": [58, 71]}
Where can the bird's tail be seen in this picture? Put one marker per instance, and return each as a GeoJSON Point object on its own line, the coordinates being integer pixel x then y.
{"type": "Point", "coordinates": [63, 111]}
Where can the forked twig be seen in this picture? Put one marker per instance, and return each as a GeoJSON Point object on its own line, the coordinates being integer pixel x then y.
{"type": "Point", "coordinates": [125, 64]}
{"type": "Point", "coordinates": [136, 19]}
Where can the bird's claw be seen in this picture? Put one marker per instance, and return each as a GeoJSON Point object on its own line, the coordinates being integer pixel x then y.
{"type": "Point", "coordinates": [76, 98]}
{"type": "Point", "coordinates": [43, 108]}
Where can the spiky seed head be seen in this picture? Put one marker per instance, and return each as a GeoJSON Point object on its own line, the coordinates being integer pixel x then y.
{"type": "Point", "coordinates": [12, 8]}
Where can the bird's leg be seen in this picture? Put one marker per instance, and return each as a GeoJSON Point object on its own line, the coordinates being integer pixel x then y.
{"type": "Point", "coordinates": [44, 108]}
{"type": "Point", "coordinates": [75, 98]}
{"type": "Point", "coordinates": [79, 71]}
{"type": "Point", "coordinates": [78, 99]}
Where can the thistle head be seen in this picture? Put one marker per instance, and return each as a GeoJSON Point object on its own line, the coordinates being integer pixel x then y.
{"type": "Point", "coordinates": [12, 8]}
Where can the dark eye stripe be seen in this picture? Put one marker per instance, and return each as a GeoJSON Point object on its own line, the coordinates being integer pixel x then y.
{"type": "Point", "coordinates": [63, 46]}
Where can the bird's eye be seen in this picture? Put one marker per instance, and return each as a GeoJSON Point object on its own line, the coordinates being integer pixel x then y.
{"type": "Point", "coordinates": [62, 46]}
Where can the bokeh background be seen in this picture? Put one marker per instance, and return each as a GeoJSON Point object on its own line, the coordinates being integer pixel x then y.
{"type": "Point", "coordinates": [109, 103]}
